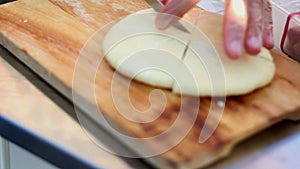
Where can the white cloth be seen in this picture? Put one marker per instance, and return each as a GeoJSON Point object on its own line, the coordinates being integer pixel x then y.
{"type": "Point", "coordinates": [216, 6]}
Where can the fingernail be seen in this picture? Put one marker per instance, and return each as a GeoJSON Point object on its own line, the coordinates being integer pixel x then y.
{"type": "Point", "coordinates": [163, 21]}
{"type": "Point", "coordinates": [254, 45]}
{"type": "Point", "coordinates": [235, 50]}
{"type": "Point", "coordinates": [270, 40]}
{"type": "Point", "coordinates": [254, 42]}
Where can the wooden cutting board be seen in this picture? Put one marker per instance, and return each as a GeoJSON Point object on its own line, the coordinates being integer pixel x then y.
{"type": "Point", "coordinates": [48, 36]}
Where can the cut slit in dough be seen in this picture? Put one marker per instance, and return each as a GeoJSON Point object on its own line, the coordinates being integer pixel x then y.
{"type": "Point", "coordinates": [136, 49]}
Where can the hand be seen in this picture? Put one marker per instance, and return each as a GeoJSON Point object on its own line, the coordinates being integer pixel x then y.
{"type": "Point", "coordinates": [250, 31]}
{"type": "Point", "coordinates": [175, 8]}
{"type": "Point", "coordinates": [255, 32]}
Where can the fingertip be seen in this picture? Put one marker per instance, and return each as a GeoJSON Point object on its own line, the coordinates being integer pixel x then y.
{"type": "Point", "coordinates": [253, 45]}
{"type": "Point", "coordinates": [233, 34]}
{"type": "Point", "coordinates": [234, 56]}
{"type": "Point", "coordinates": [234, 50]}
{"type": "Point", "coordinates": [268, 42]}
{"type": "Point", "coordinates": [269, 46]}
{"type": "Point", "coordinates": [163, 21]}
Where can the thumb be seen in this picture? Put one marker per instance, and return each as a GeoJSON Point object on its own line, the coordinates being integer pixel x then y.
{"type": "Point", "coordinates": [172, 11]}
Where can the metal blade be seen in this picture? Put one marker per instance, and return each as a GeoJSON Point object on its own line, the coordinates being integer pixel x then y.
{"type": "Point", "coordinates": [157, 6]}
{"type": "Point", "coordinates": [185, 50]}
{"type": "Point", "coordinates": [190, 38]}
{"type": "Point", "coordinates": [181, 27]}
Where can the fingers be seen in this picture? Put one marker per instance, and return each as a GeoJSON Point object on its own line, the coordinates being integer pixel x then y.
{"type": "Point", "coordinates": [173, 10]}
{"type": "Point", "coordinates": [253, 37]}
{"type": "Point", "coordinates": [247, 23]}
{"type": "Point", "coordinates": [234, 28]}
{"type": "Point", "coordinates": [268, 39]}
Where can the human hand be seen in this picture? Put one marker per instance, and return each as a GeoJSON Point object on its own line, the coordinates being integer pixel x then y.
{"type": "Point", "coordinates": [175, 8]}
{"type": "Point", "coordinates": [247, 24]}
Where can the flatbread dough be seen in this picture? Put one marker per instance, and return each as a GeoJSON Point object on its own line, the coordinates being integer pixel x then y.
{"type": "Point", "coordinates": [136, 49]}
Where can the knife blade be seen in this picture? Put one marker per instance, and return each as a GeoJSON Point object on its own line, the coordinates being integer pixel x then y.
{"type": "Point", "coordinates": [185, 49]}
{"type": "Point", "coordinates": [190, 37]}
{"type": "Point", "coordinates": [157, 6]}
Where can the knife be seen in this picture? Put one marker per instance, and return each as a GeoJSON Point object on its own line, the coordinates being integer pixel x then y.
{"type": "Point", "coordinates": [157, 6]}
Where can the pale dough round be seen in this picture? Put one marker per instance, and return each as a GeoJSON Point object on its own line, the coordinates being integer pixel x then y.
{"type": "Point", "coordinates": [135, 34]}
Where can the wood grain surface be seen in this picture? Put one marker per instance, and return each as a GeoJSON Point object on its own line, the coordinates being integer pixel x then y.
{"type": "Point", "coordinates": [49, 35]}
